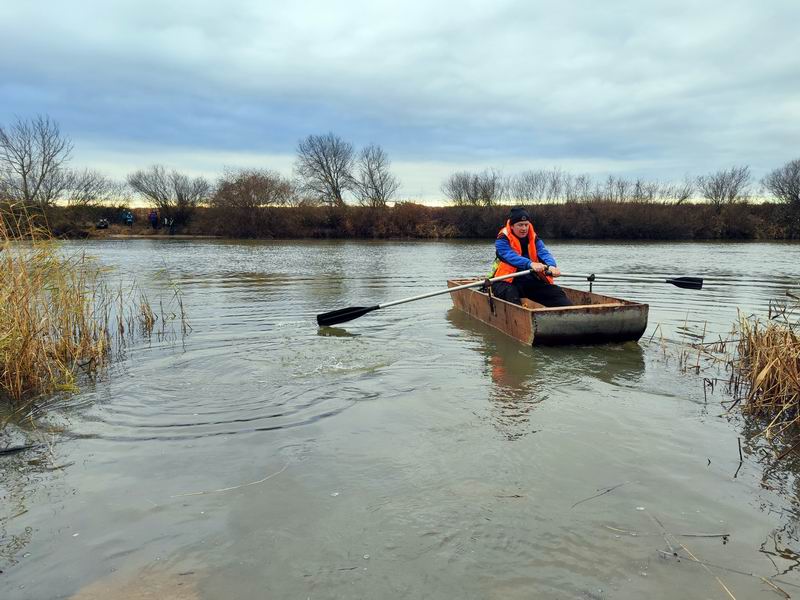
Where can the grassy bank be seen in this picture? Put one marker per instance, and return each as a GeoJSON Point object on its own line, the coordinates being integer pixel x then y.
{"type": "Point", "coordinates": [569, 220]}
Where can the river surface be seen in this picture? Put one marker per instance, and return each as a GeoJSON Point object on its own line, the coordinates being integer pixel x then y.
{"type": "Point", "coordinates": [412, 453]}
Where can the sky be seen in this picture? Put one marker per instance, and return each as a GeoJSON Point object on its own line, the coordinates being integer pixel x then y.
{"type": "Point", "coordinates": [656, 89]}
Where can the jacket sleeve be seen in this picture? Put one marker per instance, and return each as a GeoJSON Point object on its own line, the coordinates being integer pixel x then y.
{"type": "Point", "coordinates": [506, 253]}
{"type": "Point", "coordinates": [544, 254]}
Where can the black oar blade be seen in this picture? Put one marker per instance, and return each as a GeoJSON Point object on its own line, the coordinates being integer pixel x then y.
{"type": "Point", "coordinates": [688, 283]}
{"type": "Point", "coordinates": [343, 315]}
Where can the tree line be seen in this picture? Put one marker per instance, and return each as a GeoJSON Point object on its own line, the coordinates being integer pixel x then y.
{"type": "Point", "coordinates": [726, 186]}
{"type": "Point", "coordinates": [36, 171]}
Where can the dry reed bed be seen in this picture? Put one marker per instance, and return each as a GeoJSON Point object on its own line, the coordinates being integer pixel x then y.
{"type": "Point", "coordinates": [762, 360]}
{"type": "Point", "coordinates": [768, 360]}
{"type": "Point", "coordinates": [58, 316]}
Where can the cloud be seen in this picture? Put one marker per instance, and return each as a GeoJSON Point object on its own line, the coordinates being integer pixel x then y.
{"type": "Point", "coordinates": [658, 89]}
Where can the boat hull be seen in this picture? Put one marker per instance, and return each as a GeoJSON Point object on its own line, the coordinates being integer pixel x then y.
{"type": "Point", "coordinates": [593, 318]}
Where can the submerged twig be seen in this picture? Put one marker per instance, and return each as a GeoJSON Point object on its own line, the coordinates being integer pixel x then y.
{"type": "Point", "coordinates": [724, 536]}
{"type": "Point", "coordinates": [728, 569]}
{"type": "Point", "coordinates": [719, 581]}
{"type": "Point", "coordinates": [604, 492]}
{"type": "Point", "coordinates": [667, 535]}
{"type": "Point", "coordinates": [235, 487]}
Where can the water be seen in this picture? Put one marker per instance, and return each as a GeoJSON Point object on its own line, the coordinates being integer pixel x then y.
{"type": "Point", "coordinates": [411, 453]}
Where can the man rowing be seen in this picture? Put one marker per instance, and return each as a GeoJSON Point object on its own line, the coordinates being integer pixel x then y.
{"type": "Point", "coordinates": [518, 248]}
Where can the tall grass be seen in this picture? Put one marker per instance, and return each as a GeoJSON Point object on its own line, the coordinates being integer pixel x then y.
{"type": "Point", "coordinates": [58, 316]}
{"type": "Point", "coordinates": [768, 360]}
{"type": "Point", "coordinates": [760, 360]}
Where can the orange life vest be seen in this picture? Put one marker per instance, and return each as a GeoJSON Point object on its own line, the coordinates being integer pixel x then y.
{"type": "Point", "coordinates": [503, 268]}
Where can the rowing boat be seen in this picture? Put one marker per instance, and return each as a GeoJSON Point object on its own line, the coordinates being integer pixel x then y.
{"type": "Point", "coordinates": [593, 318]}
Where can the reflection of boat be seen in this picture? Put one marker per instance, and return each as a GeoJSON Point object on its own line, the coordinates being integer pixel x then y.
{"type": "Point", "coordinates": [593, 318]}
{"type": "Point", "coordinates": [523, 377]}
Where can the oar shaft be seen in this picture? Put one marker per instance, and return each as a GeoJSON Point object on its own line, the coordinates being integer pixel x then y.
{"type": "Point", "coordinates": [594, 277]}
{"type": "Point", "coordinates": [454, 289]}
{"type": "Point", "coordinates": [689, 283]}
{"type": "Point", "coordinates": [597, 278]}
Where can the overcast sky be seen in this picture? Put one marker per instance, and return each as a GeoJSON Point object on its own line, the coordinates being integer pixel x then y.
{"type": "Point", "coordinates": [658, 89]}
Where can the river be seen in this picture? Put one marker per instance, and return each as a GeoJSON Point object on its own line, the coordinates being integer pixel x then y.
{"type": "Point", "coordinates": [411, 453]}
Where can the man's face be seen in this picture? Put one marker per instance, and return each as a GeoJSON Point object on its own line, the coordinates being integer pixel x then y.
{"type": "Point", "coordinates": [521, 228]}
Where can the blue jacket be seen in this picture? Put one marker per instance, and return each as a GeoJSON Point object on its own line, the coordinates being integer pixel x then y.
{"type": "Point", "coordinates": [507, 254]}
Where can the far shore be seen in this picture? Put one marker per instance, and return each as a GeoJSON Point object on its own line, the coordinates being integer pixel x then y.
{"type": "Point", "coordinates": [157, 236]}
{"type": "Point", "coordinates": [596, 220]}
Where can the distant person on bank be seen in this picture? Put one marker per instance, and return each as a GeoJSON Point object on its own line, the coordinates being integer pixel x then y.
{"type": "Point", "coordinates": [153, 218]}
{"type": "Point", "coordinates": [518, 248]}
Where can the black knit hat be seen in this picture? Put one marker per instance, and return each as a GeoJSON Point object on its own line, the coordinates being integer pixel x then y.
{"type": "Point", "coordinates": [518, 214]}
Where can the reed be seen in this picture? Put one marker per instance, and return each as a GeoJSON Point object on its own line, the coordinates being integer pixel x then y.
{"type": "Point", "coordinates": [758, 365]}
{"type": "Point", "coordinates": [59, 318]}
{"type": "Point", "coordinates": [768, 362]}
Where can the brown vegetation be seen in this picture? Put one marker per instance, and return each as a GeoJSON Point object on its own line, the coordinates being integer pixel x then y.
{"type": "Point", "coordinates": [768, 361]}
{"type": "Point", "coordinates": [58, 317]}
{"type": "Point", "coordinates": [246, 198]}
{"type": "Point", "coordinates": [228, 215]}
{"type": "Point", "coordinates": [758, 366]}
{"type": "Point", "coordinates": [784, 184]}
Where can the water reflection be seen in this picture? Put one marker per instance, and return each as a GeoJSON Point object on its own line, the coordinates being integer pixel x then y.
{"type": "Point", "coordinates": [22, 475]}
{"type": "Point", "coordinates": [523, 377]}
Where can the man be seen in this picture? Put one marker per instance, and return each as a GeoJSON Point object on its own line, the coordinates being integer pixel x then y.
{"type": "Point", "coordinates": [519, 249]}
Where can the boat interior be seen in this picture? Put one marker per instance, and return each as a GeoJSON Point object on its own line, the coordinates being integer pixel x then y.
{"type": "Point", "coordinates": [579, 298]}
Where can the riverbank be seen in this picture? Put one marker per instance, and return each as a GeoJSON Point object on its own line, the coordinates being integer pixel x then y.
{"type": "Point", "coordinates": [406, 220]}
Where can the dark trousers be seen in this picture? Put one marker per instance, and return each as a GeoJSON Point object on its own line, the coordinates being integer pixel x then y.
{"type": "Point", "coordinates": [530, 286]}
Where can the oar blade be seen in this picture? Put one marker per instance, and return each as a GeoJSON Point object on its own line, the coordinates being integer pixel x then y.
{"type": "Point", "coordinates": [343, 315]}
{"type": "Point", "coordinates": [688, 283]}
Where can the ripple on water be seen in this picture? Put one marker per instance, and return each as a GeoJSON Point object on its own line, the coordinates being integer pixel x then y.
{"type": "Point", "coordinates": [278, 377]}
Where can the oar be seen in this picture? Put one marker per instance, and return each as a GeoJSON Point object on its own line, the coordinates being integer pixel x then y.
{"type": "Point", "coordinates": [348, 314]}
{"type": "Point", "coordinates": [688, 283]}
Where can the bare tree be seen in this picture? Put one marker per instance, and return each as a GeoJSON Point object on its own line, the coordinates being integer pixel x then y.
{"type": "Point", "coordinates": [489, 187]}
{"type": "Point", "coordinates": [89, 188]}
{"type": "Point", "coordinates": [644, 191]}
{"type": "Point", "coordinates": [474, 189]}
{"type": "Point", "coordinates": [244, 198]}
{"type": "Point", "coordinates": [528, 187]}
{"type": "Point", "coordinates": [598, 193]}
{"type": "Point", "coordinates": [457, 188]}
{"type": "Point", "coordinates": [784, 184]}
{"type": "Point", "coordinates": [679, 192]}
{"type": "Point", "coordinates": [568, 193]}
{"type": "Point", "coordinates": [174, 194]}
{"type": "Point", "coordinates": [618, 189]}
{"type": "Point", "coordinates": [324, 165]}
{"type": "Point", "coordinates": [252, 189]}
{"type": "Point", "coordinates": [582, 188]}
{"type": "Point", "coordinates": [373, 184]}
{"type": "Point", "coordinates": [33, 154]}
{"type": "Point", "coordinates": [726, 186]}
{"type": "Point", "coordinates": [554, 187]}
